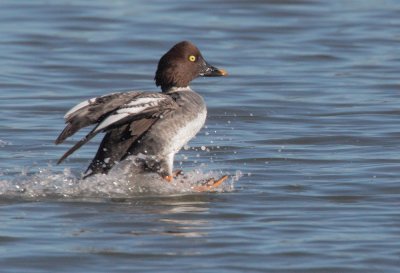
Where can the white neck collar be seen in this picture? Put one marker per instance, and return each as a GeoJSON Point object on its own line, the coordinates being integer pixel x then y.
{"type": "Point", "coordinates": [176, 89]}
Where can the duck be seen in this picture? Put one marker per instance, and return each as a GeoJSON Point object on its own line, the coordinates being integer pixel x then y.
{"type": "Point", "coordinates": [152, 126]}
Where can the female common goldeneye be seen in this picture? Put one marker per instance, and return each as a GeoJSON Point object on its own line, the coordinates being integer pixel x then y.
{"type": "Point", "coordinates": [154, 126]}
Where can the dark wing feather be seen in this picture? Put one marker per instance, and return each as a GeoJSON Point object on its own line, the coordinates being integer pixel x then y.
{"type": "Point", "coordinates": [77, 145]}
{"type": "Point", "coordinates": [116, 143]}
{"type": "Point", "coordinates": [91, 111]}
{"type": "Point", "coordinates": [113, 113]}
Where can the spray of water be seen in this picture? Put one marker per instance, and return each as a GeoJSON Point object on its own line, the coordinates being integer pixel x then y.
{"type": "Point", "coordinates": [123, 181]}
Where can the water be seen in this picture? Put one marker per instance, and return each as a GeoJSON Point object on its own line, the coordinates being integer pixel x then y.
{"type": "Point", "coordinates": [307, 123]}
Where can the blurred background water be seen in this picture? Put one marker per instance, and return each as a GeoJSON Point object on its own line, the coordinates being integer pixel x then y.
{"type": "Point", "coordinates": [308, 120]}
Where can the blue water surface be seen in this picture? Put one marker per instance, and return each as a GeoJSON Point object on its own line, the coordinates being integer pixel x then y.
{"type": "Point", "coordinates": [307, 125]}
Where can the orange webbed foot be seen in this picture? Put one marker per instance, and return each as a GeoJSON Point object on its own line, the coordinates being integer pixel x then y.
{"type": "Point", "coordinates": [169, 178]}
{"type": "Point", "coordinates": [210, 185]}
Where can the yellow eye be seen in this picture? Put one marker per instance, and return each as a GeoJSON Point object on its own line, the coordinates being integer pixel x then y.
{"type": "Point", "coordinates": [192, 58]}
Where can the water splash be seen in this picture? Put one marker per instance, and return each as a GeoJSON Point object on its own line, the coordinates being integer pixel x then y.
{"type": "Point", "coordinates": [4, 143]}
{"type": "Point", "coordinates": [121, 182]}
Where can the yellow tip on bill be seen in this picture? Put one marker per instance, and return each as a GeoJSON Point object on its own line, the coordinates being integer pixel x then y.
{"type": "Point", "coordinates": [223, 72]}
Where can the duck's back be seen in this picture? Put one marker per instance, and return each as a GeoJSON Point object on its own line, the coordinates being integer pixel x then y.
{"type": "Point", "coordinates": [173, 130]}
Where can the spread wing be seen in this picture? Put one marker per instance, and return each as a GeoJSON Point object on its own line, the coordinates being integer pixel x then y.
{"type": "Point", "coordinates": [92, 111]}
{"type": "Point", "coordinates": [118, 114]}
{"type": "Point", "coordinates": [116, 144]}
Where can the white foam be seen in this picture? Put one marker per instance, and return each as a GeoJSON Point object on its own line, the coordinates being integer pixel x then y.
{"type": "Point", "coordinates": [121, 182]}
{"type": "Point", "coordinates": [4, 143]}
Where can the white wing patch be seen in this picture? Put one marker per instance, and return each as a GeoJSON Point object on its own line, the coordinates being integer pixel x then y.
{"type": "Point", "coordinates": [110, 120]}
{"type": "Point", "coordinates": [130, 109]}
{"type": "Point", "coordinates": [79, 106]}
{"type": "Point", "coordinates": [139, 101]}
{"type": "Point", "coordinates": [83, 104]}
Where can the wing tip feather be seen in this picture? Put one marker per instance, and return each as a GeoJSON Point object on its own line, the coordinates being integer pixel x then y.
{"type": "Point", "coordinates": [64, 134]}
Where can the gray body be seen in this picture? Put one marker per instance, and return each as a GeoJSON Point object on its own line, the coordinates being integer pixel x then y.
{"type": "Point", "coordinates": [153, 125]}
{"type": "Point", "coordinates": [171, 132]}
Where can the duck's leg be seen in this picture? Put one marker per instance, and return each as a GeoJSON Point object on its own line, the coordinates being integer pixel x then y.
{"type": "Point", "coordinates": [210, 185]}
{"type": "Point", "coordinates": [169, 178]}
{"type": "Point", "coordinates": [175, 174]}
